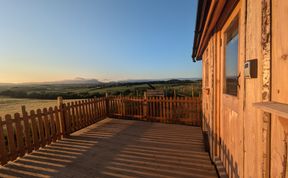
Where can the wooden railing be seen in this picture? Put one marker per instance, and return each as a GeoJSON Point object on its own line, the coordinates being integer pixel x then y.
{"type": "Point", "coordinates": [178, 110]}
{"type": "Point", "coordinates": [80, 114]}
{"type": "Point", "coordinates": [25, 132]}
{"type": "Point", "coordinates": [21, 134]}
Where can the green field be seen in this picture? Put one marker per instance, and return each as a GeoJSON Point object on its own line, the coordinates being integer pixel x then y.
{"type": "Point", "coordinates": [170, 88]}
{"type": "Point", "coordinates": [12, 97]}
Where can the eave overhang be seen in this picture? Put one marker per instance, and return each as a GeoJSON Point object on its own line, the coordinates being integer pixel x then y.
{"type": "Point", "coordinates": [211, 16]}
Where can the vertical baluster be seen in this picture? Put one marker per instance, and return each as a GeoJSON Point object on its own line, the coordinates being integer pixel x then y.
{"type": "Point", "coordinates": [19, 135]}
{"type": "Point", "coordinates": [171, 110]}
{"type": "Point", "coordinates": [154, 108]}
{"type": "Point", "coordinates": [199, 103]}
{"type": "Point", "coordinates": [92, 106]}
{"type": "Point", "coordinates": [186, 110]}
{"type": "Point", "coordinates": [62, 115]}
{"type": "Point", "coordinates": [137, 107]}
{"type": "Point", "coordinates": [42, 129]}
{"type": "Point", "coordinates": [83, 118]}
{"type": "Point", "coordinates": [3, 146]}
{"type": "Point", "coordinates": [52, 124]}
{"type": "Point", "coordinates": [78, 114]}
{"type": "Point", "coordinates": [195, 110]}
{"type": "Point", "coordinates": [46, 126]}
{"type": "Point", "coordinates": [73, 117]}
{"type": "Point", "coordinates": [96, 109]}
{"type": "Point", "coordinates": [159, 105]}
{"type": "Point", "coordinates": [86, 113]}
{"type": "Point", "coordinates": [37, 132]}
{"type": "Point", "coordinates": [133, 107]}
{"type": "Point", "coordinates": [90, 112]}
{"type": "Point", "coordinates": [164, 109]}
{"type": "Point", "coordinates": [100, 108]}
{"type": "Point", "coordinates": [10, 137]}
{"type": "Point", "coordinates": [149, 108]}
{"type": "Point", "coordinates": [93, 110]}
{"type": "Point", "coordinates": [27, 130]}
{"type": "Point", "coordinates": [125, 106]}
{"type": "Point", "coordinates": [141, 108]}
{"type": "Point", "coordinates": [57, 122]}
{"type": "Point", "coordinates": [177, 117]}
{"type": "Point", "coordinates": [191, 108]}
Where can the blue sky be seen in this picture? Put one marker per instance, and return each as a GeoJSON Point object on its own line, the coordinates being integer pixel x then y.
{"type": "Point", "coordinates": [104, 39]}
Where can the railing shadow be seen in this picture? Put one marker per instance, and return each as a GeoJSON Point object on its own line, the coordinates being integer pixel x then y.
{"type": "Point", "coordinates": [225, 160]}
{"type": "Point", "coordinates": [120, 148]}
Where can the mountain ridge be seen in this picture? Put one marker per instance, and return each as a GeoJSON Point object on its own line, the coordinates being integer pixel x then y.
{"type": "Point", "coordinates": [80, 80]}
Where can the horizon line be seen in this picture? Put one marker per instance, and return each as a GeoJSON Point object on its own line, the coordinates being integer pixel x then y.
{"type": "Point", "coordinates": [102, 80]}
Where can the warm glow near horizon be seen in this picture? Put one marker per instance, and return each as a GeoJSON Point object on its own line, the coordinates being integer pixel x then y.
{"type": "Point", "coordinates": [104, 40]}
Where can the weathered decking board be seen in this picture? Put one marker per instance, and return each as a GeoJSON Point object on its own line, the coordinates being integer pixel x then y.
{"type": "Point", "coordinates": [120, 148]}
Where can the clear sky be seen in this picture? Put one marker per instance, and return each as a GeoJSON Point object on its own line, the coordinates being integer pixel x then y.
{"type": "Point", "coordinates": [48, 40]}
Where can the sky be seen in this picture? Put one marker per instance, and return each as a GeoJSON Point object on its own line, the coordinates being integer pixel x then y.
{"type": "Point", "coordinates": [51, 40]}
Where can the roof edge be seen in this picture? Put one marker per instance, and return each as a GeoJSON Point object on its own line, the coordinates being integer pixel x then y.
{"type": "Point", "coordinates": [220, 14]}
{"type": "Point", "coordinates": [202, 12]}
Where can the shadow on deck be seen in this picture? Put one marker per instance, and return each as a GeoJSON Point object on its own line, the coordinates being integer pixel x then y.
{"type": "Point", "coordinates": [120, 148]}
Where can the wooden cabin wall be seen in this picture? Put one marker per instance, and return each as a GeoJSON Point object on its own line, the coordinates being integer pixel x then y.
{"type": "Point", "coordinates": [208, 58]}
{"type": "Point", "coordinates": [206, 90]}
{"type": "Point", "coordinates": [245, 135]}
{"type": "Point", "coordinates": [279, 126]}
{"type": "Point", "coordinates": [251, 143]}
{"type": "Point", "coordinates": [253, 118]}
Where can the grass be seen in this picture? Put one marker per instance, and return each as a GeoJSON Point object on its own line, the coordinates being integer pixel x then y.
{"type": "Point", "coordinates": [12, 105]}
{"type": "Point", "coordinates": [182, 88]}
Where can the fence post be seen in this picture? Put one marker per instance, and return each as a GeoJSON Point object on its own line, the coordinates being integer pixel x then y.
{"type": "Point", "coordinates": [145, 106]}
{"type": "Point", "coordinates": [62, 115]}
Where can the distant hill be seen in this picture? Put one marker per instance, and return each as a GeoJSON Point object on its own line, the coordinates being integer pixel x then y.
{"type": "Point", "coordinates": [155, 80]}
{"type": "Point", "coordinates": [75, 81]}
{"type": "Point", "coordinates": [85, 81]}
{"type": "Point", "coordinates": [88, 88]}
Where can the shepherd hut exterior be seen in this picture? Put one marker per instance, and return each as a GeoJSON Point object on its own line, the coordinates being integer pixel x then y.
{"type": "Point", "coordinates": [243, 45]}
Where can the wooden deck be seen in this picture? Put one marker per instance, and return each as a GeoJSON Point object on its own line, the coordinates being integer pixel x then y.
{"type": "Point", "coordinates": [120, 148]}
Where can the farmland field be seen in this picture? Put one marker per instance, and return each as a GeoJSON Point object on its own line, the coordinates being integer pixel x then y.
{"type": "Point", "coordinates": [170, 88]}
{"type": "Point", "coordinates": [40, 96]}
{"type": "Point", "coordinates": [13, 105]}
